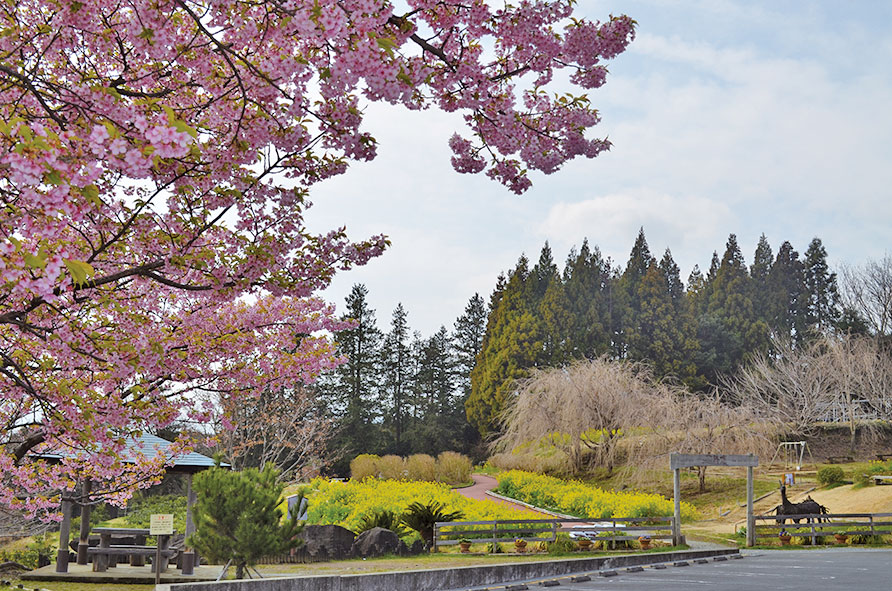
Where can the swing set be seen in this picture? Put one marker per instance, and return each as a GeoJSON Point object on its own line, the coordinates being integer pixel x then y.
{"type": "Point", "coordinates": [793, 453]}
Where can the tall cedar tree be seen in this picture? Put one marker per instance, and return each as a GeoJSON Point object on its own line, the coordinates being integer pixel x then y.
{"type": "Point", "coordinates": [760, 274]}
{"type": "Point", "coordinates": [513, 343]}
{"type": "Point", "coordinates": [587, 290]}
{"type": "Point", "coordinates": [397, 367]}
{"type": "Point", "coordinates": [786, 286]}
{"type": "Point", "coordinates": [821, 302]}
{"type": "Point", "coordinates": [467, 342]}
{"type": "Point", "coordinates": [630, 344]}
{"type": "Point", "coordinates": [731, 327]}
{"type": "Point", "coordinates": [353, 389]}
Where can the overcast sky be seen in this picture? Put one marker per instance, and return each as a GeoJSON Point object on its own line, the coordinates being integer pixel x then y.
{"type": "Point", "coordinates": [725, 116]}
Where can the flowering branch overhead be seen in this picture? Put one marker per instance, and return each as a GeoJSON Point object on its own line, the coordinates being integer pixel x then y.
{"type": "Point", "coordinates": [156, 159]}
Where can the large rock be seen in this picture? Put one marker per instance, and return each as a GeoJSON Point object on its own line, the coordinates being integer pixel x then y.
{"type": "Point", "coordinates": [325, 542]}
{"type": "Point", "coordinates": [378, 542]}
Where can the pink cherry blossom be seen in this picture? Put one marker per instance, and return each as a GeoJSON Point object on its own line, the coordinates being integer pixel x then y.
{"type": "Point", "coordinates": [157, 158]}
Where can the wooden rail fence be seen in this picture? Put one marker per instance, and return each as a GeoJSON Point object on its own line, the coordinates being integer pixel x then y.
{"type": "Point", "coordinates": [814, 526]}
{"type": "Point", "coordinates": [610, 530]}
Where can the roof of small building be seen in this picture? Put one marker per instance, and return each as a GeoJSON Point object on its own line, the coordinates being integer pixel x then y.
{"type": "Point", "coordinates": [148, 446]}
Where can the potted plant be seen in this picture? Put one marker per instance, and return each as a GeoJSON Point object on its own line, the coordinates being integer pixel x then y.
{"type": "Point", "coordinates": [784, 537]}
{"type": "Point", "coordinates": [644, 541]}
{"type": "Point", "coordinates": [841, 537]}
{"type": "Point", "coordinates": [465, 545]}
{"type": "Point", "coordinates": [584, 543]}
{"type": "Point", "coordinates": [520, 544]}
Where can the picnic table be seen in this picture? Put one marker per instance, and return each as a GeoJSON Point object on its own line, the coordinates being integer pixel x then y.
{"type": "Point", "coordinates": [107, 552]}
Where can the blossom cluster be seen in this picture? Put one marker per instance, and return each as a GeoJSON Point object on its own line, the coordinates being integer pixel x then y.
{"type": "Point", "coordinates": [157, 158]}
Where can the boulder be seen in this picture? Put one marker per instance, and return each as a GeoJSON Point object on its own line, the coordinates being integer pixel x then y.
{"type": "Point", "coordinates": [325, 542]}
{"type": "Point", "coordinates": [378, 542]}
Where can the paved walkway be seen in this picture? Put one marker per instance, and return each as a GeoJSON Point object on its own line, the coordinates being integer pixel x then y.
{"type": "Point", "coordinates": [484, 483]}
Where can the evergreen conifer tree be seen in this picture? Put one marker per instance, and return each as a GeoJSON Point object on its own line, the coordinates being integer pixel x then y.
{"type": "Point", "coordinates": [786, 289]}
{"type": "Point", "coordinates": [821, 302]}
{"type": "Point", "coordinates": [353, 389]}
{"type": "Point", "coordinates": [397, 376]}
{"type": "Point", "coordinates": [513, 343]}
{"type": "Point", "coordinates": [760, 272]}
{"type": "Point", "coordinates": [237, 517]}
{"type": "Point", "coordinates": [586, 288]}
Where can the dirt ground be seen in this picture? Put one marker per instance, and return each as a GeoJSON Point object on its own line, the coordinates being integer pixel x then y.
{"type": "Point", "coordinates": [843, 499]}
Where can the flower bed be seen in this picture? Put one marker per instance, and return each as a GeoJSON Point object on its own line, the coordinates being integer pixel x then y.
{"type": "Point", "coordinates": [346, 503]}
{"type": "Point", "coordinates": [583, 500]}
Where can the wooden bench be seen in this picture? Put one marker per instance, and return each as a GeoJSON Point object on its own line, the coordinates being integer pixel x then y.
{"type": "Point", "coordinates": [840, 459]}
{"type": "Point", "coordinates": [883, 457]}
{"type": "Point", "coordinates": [106, 553]}
{"type": "Point", "coordinates": [101, 555]}
{"type": "Point", "coordinates": [881, 479]}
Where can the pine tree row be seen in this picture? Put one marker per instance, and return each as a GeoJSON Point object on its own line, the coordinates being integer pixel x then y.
{"type": "Point", "coordinates": [397, 392]}
{"type": "Point", "coordinates": [541, 317]}
{"type": "Point", "coordinates": [401, 393]}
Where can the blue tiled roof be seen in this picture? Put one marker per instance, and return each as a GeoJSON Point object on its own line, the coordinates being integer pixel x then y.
{"type": "Point", "coordinates": [148, 445]}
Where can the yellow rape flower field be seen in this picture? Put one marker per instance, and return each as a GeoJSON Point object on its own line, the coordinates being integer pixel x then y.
{"type": "Point", "coordinates": [347, 503]}
{"type": "Point", "coordinates": [573, 497]}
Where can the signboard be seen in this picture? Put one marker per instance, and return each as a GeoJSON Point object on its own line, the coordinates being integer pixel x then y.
{"type": "Point", "coordinates": [677, 461]}
{"type": "Point", "coordinates": [160, 524]}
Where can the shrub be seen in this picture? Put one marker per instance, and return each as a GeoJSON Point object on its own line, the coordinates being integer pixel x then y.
{"type": "Point", "coordinates": [364, 466]}
{"type": "Point", "coordinates": [392, 467]}
{"type": "Point", "coordinates": [861, 480]}
{"type": "Point", "coordinates": [830, 475]}
{"type": "Point", "coordinates": [422, 467]}
{"type": "Point", "coordinates": [386, 519]}
{"type": "Point", "coordinates": [423, 517]}
{"type": "Point", "coordinates": [140, 510]}
{"type": "Point", "coordinates": [453, 468]}
{"type": "Point", "coordinates": [562, 544]}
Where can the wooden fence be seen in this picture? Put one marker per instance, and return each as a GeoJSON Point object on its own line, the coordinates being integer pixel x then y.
{"type": "Point", "coordinates": [610, 530]}
{"type": "Point", "coordinates": [818, 526]}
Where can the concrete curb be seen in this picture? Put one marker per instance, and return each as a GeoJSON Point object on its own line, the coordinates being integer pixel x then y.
{"type": "Point", "coordinates": [532, 507]}
{"type": "Point", "coordinates": [452, 578]}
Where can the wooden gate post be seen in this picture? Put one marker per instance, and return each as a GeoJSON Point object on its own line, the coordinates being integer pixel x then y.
{"type": "Point", "coordinates": [750, 519]}
{"type": "Point", "coordinates": [678, 461]}
{"type": "Point", "coordinates": [676, 495]}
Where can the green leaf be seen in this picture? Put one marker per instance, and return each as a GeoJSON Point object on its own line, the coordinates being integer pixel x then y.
{"type": "Point", "coordinates": [25, 133]}
{"type": "Point", "coordinates": [183, 127]}
{"type": "Point", "coordinates": [34, 261]}
{"type": "Point", "coordinates": [53, 178]}
{"type": "Point", "coordinates": [91, 192]}
{"type": "Point", "coordinates": [79, 270]}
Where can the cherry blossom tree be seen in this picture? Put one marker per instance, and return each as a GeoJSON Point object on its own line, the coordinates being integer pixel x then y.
{"type": "Point", "coordinates": [157, 158]}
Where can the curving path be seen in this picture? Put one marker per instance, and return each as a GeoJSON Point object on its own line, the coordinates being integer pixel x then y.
{"type": "Point", "coordinates": [484, 483]}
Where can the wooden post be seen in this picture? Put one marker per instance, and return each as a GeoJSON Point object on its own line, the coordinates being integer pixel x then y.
{"type": "Point", "coordinates": [676, 494]}
{"type": "Point", "coordinates": [750, 519]}
{"type": "Point", "coordinates": [495, 524]}
{"type": "Point", "coordinates": [189, 556]}
{"type": "Point", "coordinates": [64, 535]}
{"type": "Point", "coordinates": [156, 564]}
{"type": "Point", "coordinates": [83, 541]}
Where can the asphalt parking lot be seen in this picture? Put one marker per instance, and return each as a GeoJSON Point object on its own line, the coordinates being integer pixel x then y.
{"type": "Point", "coordinates": [800, 570]}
